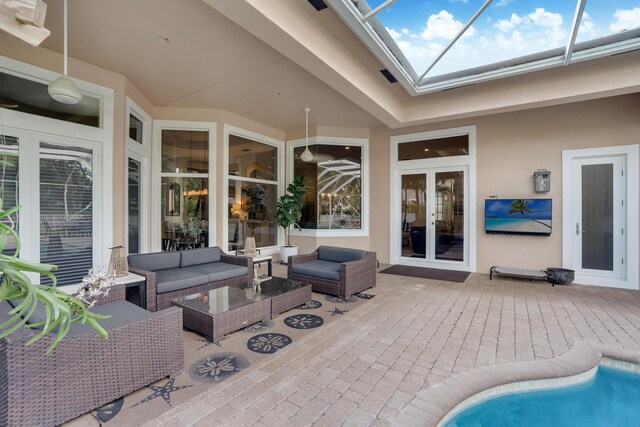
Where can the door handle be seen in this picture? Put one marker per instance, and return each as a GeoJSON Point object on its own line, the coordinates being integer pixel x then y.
{"type": "Point", "coordinates": [577, 228]}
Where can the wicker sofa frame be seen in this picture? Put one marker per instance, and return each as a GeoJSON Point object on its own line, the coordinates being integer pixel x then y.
{"type": "Point", "coordinates": [84, 371]}
{"type": "Point", "coordinates": [156, 301]}
{"type": "Point", "coordinates": [355, 276]}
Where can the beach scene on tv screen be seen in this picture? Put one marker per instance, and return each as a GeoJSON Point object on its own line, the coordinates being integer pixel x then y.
{"type": "Point", "coordinates": [529, 216]}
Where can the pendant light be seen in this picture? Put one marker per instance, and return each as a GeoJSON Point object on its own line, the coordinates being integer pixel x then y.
{"type": "Point", "coordinates": [63, 89]}
{"type": "Point", "coordinates": [306, 154]}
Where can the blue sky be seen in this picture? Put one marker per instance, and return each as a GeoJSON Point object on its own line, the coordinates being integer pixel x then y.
{"type": "Point", "coordinates": [507, 29]}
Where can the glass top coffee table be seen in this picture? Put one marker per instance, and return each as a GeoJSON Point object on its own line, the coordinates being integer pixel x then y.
{"type": "Point", "coordinates": [218, 312]}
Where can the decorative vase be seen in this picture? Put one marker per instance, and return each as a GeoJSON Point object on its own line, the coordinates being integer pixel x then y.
{"type": "Point", "coordinates": [250, 246]}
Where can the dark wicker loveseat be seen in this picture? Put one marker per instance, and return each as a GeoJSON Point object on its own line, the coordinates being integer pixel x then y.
{"type": "Point", "coordinates": [336, 271]}
{"type": "Point", "coordinates": [175, 274]}
{"type": "Point", "coordinates": [84, 371]}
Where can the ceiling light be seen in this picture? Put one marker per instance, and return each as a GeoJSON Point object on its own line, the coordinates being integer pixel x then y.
{"type": "Point", "coordinates": [306, 154]}
{"type": "Point", "coordinates": [63, 89]}
{"type": "Point", "coordinates": [426, 149]}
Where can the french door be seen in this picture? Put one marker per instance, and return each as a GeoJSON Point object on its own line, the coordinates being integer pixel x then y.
{"type": "Point", "coordinates": [600, 216]}
{"type": "Point", "coordinates": [434, 223]}
{"type": "Point", "coordinates": [54, 179]}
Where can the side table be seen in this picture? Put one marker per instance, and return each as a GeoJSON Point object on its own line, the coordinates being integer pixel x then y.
{"type": "Point", "coordinates": [131, 282]}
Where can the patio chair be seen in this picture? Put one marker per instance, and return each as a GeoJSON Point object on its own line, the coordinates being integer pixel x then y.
{"type": "Point", "coordinates": [84, 371]}
{"type": "Point", "coordinates": [336, 271]}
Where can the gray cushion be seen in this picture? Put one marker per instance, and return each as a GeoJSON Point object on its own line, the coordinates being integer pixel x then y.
{"type": "Point", "coordinates": [199, 256]}
{"type": "Point", "coordinates": [179, 278]}
{"type": "Point", "coordinates": [155, 261]}
{"type": "Point", "coordinates": [38, 315]}
{"type": "Point", "coordinates": [320, 268]}
{"type": "Point", "coordinates": [218, 270]}
{"type": "Point", "coordinates": [331, 253]}
{"type": "Point", "coordinates": [121, 312]}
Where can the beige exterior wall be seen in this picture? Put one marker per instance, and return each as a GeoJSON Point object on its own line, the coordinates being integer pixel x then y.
{"type": "Point", "coordinates": [510, 147]}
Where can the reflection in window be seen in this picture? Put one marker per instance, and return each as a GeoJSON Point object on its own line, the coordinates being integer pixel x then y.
{"type": "Point", "coordinates": [433, 148]}
{"type": "Point", "coordinates": [9, 186]}
{"type": "Point", "coordinates": [253, 191]}
{"type": "Point", "coordinates": [333, 183]}
{"type": "Point", "coordinates": [66, 211]}
{"type": "Point", "coordinates": [251, 212]}
{"type": "Point", "coordinates": [135, 128]}
{"type": "Point", "coordinates": [134, 206]}
{"type": "Point", "coordinates": [184, 189]}
{"type": "Point", "coordinates": [27, 96]}
{"type": "Point", "coordinates": [185, 151]}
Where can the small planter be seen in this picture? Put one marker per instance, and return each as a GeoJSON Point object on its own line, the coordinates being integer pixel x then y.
{"type": "Point", "coordinates": [286, 252]}
{"type": "Point", "coordinates": [560, 276]}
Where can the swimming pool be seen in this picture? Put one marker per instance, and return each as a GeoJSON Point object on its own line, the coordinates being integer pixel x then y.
{"type": "Point", "coordinates": [610, 398]}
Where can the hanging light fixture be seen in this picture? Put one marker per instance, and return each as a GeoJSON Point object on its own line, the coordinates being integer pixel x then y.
{"type": "Point", "coordinates": [306, 154]}
{"type": "Point", "coordinates": [63, 89]}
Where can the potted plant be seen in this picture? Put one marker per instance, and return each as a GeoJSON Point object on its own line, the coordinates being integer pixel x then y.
{"type": "Point", "coordinates": [288, 213]}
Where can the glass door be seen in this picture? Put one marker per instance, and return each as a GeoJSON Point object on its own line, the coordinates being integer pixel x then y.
{"type": "Point", "coordinates": [413, 193]}
{"type": "Point", "coordinates": [599, 217]}
{"type": "Point", "coordinates": [433, 221]}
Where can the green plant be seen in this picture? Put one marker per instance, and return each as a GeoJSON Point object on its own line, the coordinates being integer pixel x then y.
{"type": "Point", "coordinates": [289, 207]}
{"type": "Point", "coordinates": [62, 309]}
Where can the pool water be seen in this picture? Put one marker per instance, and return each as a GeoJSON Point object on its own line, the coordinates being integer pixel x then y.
{"type": "Point", "coordinates": [610, 398]}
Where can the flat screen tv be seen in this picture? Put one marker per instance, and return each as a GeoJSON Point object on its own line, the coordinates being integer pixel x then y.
{"type": "Point", "coordinates": [518, 216]}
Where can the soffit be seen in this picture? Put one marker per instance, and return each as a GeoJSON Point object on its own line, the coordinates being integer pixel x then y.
{"type": "Point", "coordinates": [209, 61]}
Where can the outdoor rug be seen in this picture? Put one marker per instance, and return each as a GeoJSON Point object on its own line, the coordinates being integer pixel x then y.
{"type": "Point", "coordinates": [208, 365]}
{"type": "Point", "coordinates": [427, 273]}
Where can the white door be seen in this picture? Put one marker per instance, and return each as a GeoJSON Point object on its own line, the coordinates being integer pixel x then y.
{"type": "Point", "coordinates": [600, 215]}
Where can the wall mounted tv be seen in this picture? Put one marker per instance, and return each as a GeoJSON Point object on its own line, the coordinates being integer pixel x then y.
{"type": "Point", "coordinates": [518, 216]}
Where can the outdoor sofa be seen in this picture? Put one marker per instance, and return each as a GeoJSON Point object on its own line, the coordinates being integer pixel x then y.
{"type": "Point", "coordinates": [333, 270]}
{"type": "Point", "coordinates": [85, 371]}
{"type": "Point", "coordinates": [175, 274]}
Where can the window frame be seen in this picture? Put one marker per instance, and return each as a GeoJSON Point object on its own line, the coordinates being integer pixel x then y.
{"type": "Point", "coordinates": [140, 153]}
{"type": "Point", "coordinates": [363, 143]}
{"type": "Point", "coordinates": [229, 130]}
{"type": "Point", "coordinates": [157, 175]}
{"type": "Point", "coordinates": [98, 139]}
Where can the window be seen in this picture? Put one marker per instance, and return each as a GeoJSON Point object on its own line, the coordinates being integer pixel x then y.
{"type": "Point", "coordinates": [184, 189]}
{"type": "Point", "coordinates": [136, 127]}
{"type": "Point", "coordinates": [434, 148]}
{"type": "Point", "coordinates": [59, 175]}
{"type": "Point", "coordinates": [334, 183]}
{"type": "Point", "coordinates": [28, 96]}
{"type": "Point", "coordinates": [9, 185]}
{"type": "Point", "coordinates": [133, 199]}
{"type": "Point", "coordinates": [252, 190]}
{"type": "Point", "coordinates": [138, 178]}
{"type": "Point", "coordinates": [66, 211]}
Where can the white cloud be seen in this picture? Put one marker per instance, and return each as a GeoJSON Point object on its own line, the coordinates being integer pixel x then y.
{"type": "Point", "coordinates": [405, 31]}
{"type": "Point", "coordinates": [503, 3]}
{"type": "Point", "coordinates": [587, 28]}
{"type": "Point", "coordinates": [443, 26]}
{"type": "Point", "coordinates": [393, 33]}
{"type": "Point", "coordinates": [626, 19]}
{"type": "Point", "coordinates": [515, 43]}
{"type": "Point", "coordinates": [509, 24]}
{"type": "Point", "coordinates": [545, 19]}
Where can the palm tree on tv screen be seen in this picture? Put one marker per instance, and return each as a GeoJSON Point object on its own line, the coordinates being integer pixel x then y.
{"type": "Point", "coordinates": [521, 206]}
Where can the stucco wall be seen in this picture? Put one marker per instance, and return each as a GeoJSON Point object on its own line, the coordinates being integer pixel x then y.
{"type": "Point", "coordinates": [510, 147]}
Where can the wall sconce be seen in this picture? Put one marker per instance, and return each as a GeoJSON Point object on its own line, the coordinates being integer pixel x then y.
{"type": "Point", "coordinates": [542, 180]}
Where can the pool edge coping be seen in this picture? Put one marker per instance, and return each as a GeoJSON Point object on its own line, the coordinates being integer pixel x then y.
{"type": "Point", "coordinates": [434, 404]}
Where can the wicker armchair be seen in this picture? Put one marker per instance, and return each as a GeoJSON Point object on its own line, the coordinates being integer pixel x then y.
{"type": "Point", "coordinates": [84, 371]}
{"type": "Point", "coordinates": [336, 271]}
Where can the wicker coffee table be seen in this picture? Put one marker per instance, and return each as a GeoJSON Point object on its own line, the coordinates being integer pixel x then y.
{"type": "Point", "coordinates": [285, 294]}
{"type": "Point", "coordinates": [218, 312]}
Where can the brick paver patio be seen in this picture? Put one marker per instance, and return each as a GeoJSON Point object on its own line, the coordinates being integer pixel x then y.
{"type": "Point", "coordinates": [364, 368]}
